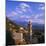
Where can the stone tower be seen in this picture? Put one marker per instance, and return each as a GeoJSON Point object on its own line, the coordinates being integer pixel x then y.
{"type": "Point", "coordinates": [30, 27]}
{"type": "Point", "coordinates": [30, 30]}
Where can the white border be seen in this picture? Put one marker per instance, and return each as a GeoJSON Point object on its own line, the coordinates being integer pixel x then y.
{"type": "Point", "coordinates": [2, 24]}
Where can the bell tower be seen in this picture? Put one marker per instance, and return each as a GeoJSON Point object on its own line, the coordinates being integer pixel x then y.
{"type": "Point", "coordinates": [30, 29]}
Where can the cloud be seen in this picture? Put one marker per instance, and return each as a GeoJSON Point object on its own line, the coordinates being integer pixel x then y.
{"type": "Point", "coordinates": [18, 10]}
{"type": "Point", "coordinates": [23, 8]}
{"type": "Point", "coordinates": [39, 21]}
{"type": "Point", "coordinates": [34, 18]}
{"type": "Point", "coordinates": [24, 5]}
{"type": "Point", "coordinates": [24, 12]}
{"type": "Point", "coordinates": [24, 17]}
{"type": "Point", "coordinates": [14, 13]}
{"type": "Point", "coordinates": [38, 16]}
{"type": "Point", "coordinates": [41, 8]}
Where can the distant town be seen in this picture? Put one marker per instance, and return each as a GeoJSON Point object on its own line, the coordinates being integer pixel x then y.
{"type": "Point", "coordinates": [18, 35]}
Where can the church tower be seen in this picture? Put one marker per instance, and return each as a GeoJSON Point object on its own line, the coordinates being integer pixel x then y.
{"type": "Point", "coordinates": [30, 30]}
{"type": "Point", "coordinates": [30, 27]}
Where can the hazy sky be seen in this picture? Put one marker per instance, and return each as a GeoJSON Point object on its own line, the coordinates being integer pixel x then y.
{"type": "Point", "coordinates": [25, 11]}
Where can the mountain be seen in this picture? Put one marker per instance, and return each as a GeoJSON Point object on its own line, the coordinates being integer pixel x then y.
{"type": "Point", "coordinates": [10, 24]}
{"type": "Point", "coordinates": [34, 25]}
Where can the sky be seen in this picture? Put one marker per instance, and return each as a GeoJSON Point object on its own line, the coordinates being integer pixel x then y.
{"type": "Point", "coordinates": [25, 11]}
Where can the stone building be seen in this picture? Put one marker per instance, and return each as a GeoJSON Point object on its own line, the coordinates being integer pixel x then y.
{"type": "Point", "coordinates": [30, 30]}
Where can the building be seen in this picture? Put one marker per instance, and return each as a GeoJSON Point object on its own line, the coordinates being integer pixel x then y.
{"type": "Point", "coordinates": [18, 37]}
{"type": "Point", "coordinates": [19, 34]}
{"type": "Point", "coordinates": [30, 29]}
